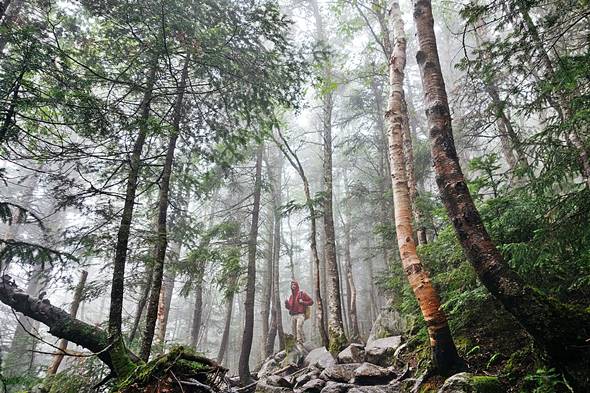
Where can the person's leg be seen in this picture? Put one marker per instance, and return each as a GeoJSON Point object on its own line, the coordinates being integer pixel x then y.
{"type": "Point", "coordinates": [300, 333]}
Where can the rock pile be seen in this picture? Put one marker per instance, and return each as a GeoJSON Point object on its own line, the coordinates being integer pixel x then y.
{"type": "Point", "coordinates": [357, 369]}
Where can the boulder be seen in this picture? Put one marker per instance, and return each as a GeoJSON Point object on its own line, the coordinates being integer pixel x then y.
{"type": "Point", "coordinates": [320, 358]}
{"type": "Point", "coordinates": [302, 380]}
{"type": "Point", "coordinates": [336, 387]}
{"type": "Point", "coordinates": [381, 351]}
{"type": "Point", "coordinates": [371, 374]}
{"type": "Point", "coordinates": [354, 353]}
{"type": "Point", "coordinates": [294, 357]}
{"type": "Point", "coordinates": [276, 380]}
{"type": "Point", "coordinates": [339, 372]}
{"type": "Point", "coordinates": [404, 386]}
{"type": "Point", "coordinates": [469, 383]}
{"type": "Point", "coordinates": [375, 389]}
{"type": "Point", "coordinates": [313, 386]}
{"type": "Point", "coordinates": [268, 367]}
{"type": "Point", "coordinates": [279, 356]}
{"type": "Point", "coordinates": [388, 323]}
{"type": "Point", "coordinates": [263, 387]}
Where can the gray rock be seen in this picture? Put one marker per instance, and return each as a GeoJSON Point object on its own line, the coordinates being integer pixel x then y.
{"type": "Point", "coordinates": [263, 387]}
{"type": "Point", "coordinates": [371, 374]}
{"type": "Point", "coordinates": [381, 351]}
{"type": "Point", "coordinates": [276, 380]}
{"type": "Point", "coordinates": [375, 389]}
{"type": "Point", "coordinates": [313, 386]}
{"type": "Point", "coordinates": [469, 383]}
{"type": "Point", "coordinates": [404, 386]}
{"type": "Point", "coordinates": [320, 358]}
{"type": "Point", "coordinates": [388, 323]}
{"type": "Point", "coordinates": [279, 356]}
{"type": "Point", "coordinates": [302, 380]}
{"type": "Point", "coordinates": [354, 353]}
{"type": "Point", "coordinates": [339, 372]}
{"type": "Point", "coordinates": [268, 367]}
{"type": "Point", "coordinates": [294, 356]}
{"type": "Point", "coordinates": [336, 387]}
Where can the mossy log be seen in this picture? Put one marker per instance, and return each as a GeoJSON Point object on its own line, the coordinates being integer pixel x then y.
{"type": "Point", "coordinates": [180, 370]}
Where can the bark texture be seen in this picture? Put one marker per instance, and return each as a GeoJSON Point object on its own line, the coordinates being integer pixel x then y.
{"type": "Point", "coordinates": [444, 352]}
{"type": "Point", "coordinates": [562, 331]}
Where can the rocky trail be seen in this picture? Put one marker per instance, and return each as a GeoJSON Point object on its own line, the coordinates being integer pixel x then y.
{"type": "Point", "coordinates": [372, 368]}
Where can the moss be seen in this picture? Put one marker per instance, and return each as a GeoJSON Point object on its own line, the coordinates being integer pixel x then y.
{"type": "Point", "coordinates": [122, 363]}
{"type": "Point", "coordinates": [487, 384]}
{"type": "Point", "coordinates": [289, 342]}
{"type": "Point", "coordinates": [337, 341]}
{"type": "Point", "coordinates": [180, 359]}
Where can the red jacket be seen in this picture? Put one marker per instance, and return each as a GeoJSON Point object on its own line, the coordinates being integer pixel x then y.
{"type": "Point", "coordinates": [297, 301]}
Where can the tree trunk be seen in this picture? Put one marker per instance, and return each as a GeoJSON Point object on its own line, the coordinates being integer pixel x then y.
{"type": "Point", "coordinates": [164, 307]}
{"type": "Point", "coordinates": [145, 293]}
{"type": "Point", "coordinates": [198, 308]}
{"type": "Point", "coordinates": [350, 285]}
{"type": "Point", "coordinates": [229, 305]}
{"type": "Point", "coordinates": [444, 353]}
{"type": "Point", "coordinates": [562, 331]}
{"type": "Point", "coordinates": [62, 325]}
{"type": "Point", "coordinates": [162, 236]}
{"type": "Point", "coordinates": [336, 336]}
{"type": "Point", "coordinates": [63, 344]}
{"type": "Point", "coordinates": [244, 363]}
{"type": "Point", "coordinates": [118, 281]}
{"type": "Point", "coordinates": [276, 249]}
{"type": "Point", "coordinates": [267, 286]}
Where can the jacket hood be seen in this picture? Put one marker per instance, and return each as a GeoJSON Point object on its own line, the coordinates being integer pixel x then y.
{"type": "Point", "coordinates": [296, 284]}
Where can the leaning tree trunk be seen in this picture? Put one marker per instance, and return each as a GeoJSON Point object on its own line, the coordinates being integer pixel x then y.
{"type": "Point", "coordinates": [229, 306]}
{"type": "Point", "coordinates": [63, 344]}
{"type": "Point", "coordinates": [444, 352]}
{"type": "Point", "coordinates": [244, 363]}
{"type": "Point", "coordinates": [162, 236]}
{"type": "Point", "coordinates": [562, 331]}
{"type": "Point", "coordinates": [118, 281]}
{"type": "Point", "coordinates": [62, 325]}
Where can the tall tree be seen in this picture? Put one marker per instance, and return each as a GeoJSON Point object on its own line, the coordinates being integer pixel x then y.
{"type": "Point", "coordinates": [163, 202]}
{"type": "Point", "coordinates": [444, 352]}
{"type": "Point", "coordinates": [244, 364]}
{"type": "Point", "coordinates": [336, 335]}
{"type": "Point", "coordinates": [562, 331]}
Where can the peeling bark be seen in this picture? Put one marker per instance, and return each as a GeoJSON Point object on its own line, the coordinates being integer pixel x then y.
{"type": "Point", "coordinates": [444, 352]}
{"type": "Point", "coordinates": [561, 330]}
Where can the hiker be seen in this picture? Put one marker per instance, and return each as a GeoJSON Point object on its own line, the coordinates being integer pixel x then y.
{"type": "Point", "coordinates": [298, 304]}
